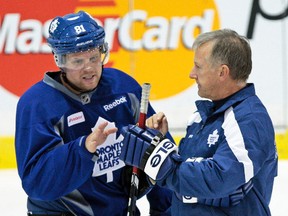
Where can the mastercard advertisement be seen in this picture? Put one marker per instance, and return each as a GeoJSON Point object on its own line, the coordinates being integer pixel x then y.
{"type": "Point", "coordinates": [150, 40]}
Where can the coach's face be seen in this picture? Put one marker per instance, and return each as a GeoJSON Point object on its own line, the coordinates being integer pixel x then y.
{"type": "Point", "coordinates": [205, 73]}
{"type": "Point", "coordinates": [84, 69]}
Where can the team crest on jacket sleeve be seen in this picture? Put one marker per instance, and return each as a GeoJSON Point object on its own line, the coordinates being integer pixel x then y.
{"type": "Point", "coordinates": [108, 153]}
{"type": "Point", "coordinates": [212, 138]}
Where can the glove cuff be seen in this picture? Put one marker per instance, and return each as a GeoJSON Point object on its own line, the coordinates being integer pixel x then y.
{"type": "Point", "coordinates": [158, 156]}
{"type": "Point", "coordinates": [154, 142]}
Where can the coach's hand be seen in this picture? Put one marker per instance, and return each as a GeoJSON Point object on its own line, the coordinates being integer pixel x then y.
{"type": "Point", "coordinates": [149, 151]}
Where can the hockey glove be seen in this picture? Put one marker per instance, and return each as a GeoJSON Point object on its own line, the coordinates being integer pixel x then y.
{"type": "Point", "coordinates": [144, 186]}
{"type": "Point", "coordinates": [149, 151]}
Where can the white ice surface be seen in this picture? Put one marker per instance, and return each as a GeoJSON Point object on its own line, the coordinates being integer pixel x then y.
{"type": "Point", "coordinates": [13, 198]}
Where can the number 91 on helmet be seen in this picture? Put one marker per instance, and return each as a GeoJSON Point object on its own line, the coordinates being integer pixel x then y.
{"type": "Point", "coordinates": [74, 33]}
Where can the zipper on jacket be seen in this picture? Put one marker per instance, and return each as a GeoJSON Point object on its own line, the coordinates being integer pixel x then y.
{"type": "Point", "coordinates": [202, 126]}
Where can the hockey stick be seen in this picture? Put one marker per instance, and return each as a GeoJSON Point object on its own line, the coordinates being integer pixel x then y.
{"type": "Point", "coordinates": [135, 172]}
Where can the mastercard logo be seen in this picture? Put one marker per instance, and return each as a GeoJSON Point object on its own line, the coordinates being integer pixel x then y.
{"type": "Point", "coordinates": [149, 40]}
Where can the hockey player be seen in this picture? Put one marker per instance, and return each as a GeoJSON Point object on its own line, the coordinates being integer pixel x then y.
{"type": "Point", "coordinates": [67, 129]}
{"type": "Point", "coordinates": [227, 161]}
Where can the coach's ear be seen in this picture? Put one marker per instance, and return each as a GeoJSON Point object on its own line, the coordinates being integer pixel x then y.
{"type": "Point", "coordinates": [224, 72]}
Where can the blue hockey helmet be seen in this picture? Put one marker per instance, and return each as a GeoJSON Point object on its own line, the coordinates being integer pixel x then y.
{"type": "Point", "coordinates": [75, 33]}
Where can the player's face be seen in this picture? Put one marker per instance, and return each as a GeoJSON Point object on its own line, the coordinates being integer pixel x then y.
{"type": "Point", "coordinates": [205, 74]}
{"type": "Point", "coordinates": [84, 69]}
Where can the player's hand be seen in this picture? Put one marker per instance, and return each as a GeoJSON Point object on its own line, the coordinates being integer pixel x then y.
{"type": "Point", "coordinates": [159, 122]}
{"type": "Point", "coordinates": [98, 137]}
{"type": "Point", "coordinates": [149, 151]}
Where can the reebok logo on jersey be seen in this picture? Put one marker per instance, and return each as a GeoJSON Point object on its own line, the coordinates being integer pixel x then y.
{"type": "Point", "coordinates": [115, 103]}
{"type": "Point", "coordinates": [75, 118]}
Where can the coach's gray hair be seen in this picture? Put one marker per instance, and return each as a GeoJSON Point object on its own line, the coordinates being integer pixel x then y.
{"type": "Point", "coordinates": [229, 48]}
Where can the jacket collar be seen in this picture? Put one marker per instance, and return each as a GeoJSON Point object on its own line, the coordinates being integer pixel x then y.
{"type": "Point", "coordinates": [206, 107]}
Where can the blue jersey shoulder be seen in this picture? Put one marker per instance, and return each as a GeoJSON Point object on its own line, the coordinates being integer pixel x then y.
{"type": "Point", "coordinates": [118, 81]}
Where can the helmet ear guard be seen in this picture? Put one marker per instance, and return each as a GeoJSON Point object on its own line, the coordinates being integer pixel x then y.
{"type": "Point", "coordinates": [60, 59]}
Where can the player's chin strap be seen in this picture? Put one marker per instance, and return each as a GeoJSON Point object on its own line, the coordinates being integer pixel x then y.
{"type": "Point", "coordinates": [68, 84]}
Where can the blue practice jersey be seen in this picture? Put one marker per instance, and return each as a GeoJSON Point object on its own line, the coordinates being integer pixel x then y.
{"type": "Point", "coordinates": [229, 159]}
{"type": "Point", "coordinates": [56, 170]}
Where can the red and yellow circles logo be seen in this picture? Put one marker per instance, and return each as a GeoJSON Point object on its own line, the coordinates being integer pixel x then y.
{"type": "Point", "coordinates": [150, 40]}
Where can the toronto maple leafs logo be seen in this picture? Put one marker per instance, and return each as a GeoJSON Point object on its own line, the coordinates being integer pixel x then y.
{"type": "Point", "coordinates": [108, 152]}
{"type": "Point", "coordinates": [53, 25]}
{"type": "Point", "coordinates": [212, 138]}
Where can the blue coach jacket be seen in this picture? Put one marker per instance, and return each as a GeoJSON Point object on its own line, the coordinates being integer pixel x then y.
{"type": "Point", "coordinates": [229, 159]}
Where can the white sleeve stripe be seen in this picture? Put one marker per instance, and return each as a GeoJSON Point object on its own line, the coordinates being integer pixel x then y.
{"type": "Point", "coordinates": [236, 142]}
